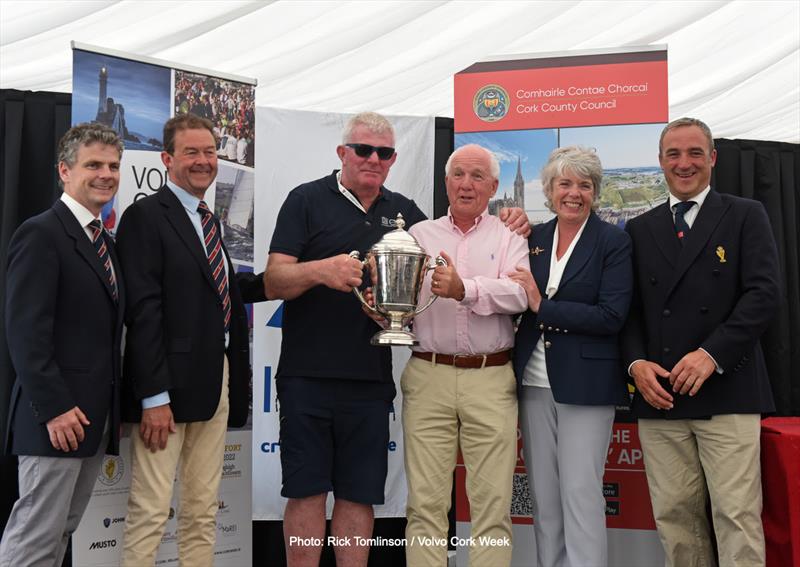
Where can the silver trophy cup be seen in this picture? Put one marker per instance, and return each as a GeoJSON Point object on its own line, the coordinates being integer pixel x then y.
{"type": "Point", "coordinates": [396, 265]}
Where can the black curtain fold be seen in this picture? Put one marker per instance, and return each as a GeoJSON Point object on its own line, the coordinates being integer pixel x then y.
{"type": "Point", "coordinates": [769, 172]}
{"type": "Point", "coordinates": [30, 126]}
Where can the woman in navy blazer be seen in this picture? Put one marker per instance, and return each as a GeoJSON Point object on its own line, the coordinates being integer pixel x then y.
{"type": "Point", "coordinates": [567, 361]}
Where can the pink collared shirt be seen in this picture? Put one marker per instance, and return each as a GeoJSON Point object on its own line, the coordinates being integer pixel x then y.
{"type": "Point", "coordinates": [481, 323]}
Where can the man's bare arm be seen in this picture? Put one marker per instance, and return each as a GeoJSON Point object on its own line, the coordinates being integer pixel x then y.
{"type": "Point", "coordinates": [286, 278]}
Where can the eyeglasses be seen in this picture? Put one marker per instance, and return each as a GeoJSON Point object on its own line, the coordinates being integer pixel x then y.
{"type": "Point", "coordinates": [365, 151]}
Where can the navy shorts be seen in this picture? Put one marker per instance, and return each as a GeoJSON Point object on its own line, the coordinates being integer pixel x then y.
{"type": "Point", "coordinates": [334, 436]}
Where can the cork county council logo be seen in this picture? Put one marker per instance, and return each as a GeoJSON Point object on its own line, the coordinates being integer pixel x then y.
{"type": "Point", "coordinates": [111, 471]}
{"type": "Point", "coordinates": [490, 103]}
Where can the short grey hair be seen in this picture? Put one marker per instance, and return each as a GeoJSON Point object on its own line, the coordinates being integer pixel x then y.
{"type": "Point", "coordinates": [83, 135]}
{"type": "Point", "coordinates": [494, 165]}
{"type": "Point", "coordinates": [372, 121]}
{"type": "Point", "coordinates": [682, 123]}
{"type": "Point", "coordinates": [576, 160]}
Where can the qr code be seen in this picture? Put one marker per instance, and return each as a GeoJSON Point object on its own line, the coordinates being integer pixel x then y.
{"type": "Point", "coordinates": [521, 503]}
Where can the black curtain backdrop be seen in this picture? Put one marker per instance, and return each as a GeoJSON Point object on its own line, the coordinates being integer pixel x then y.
{"type": "Point", "coordinates": [31, 123]}
{"type": "Point", "coordinates": [30, 126]}
{"type": "Point", "coordinates": [770, 172]}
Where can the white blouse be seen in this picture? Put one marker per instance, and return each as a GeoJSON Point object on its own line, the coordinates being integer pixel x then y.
{"type": "Point", "coordinates": [535, 373]}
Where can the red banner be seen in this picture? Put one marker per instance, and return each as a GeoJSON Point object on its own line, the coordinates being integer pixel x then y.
{"type": "Point", "coordinates": [562, 97]}
{"type": "Point", "coordinates": [624, 485]}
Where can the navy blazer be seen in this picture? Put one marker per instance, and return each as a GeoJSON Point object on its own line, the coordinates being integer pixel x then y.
{"type": "Point", "coordinates": [581, 321]}
{"type": "Point", "coordinates": [176, 338]}
{"type": "Point", "coordinates": [719, 292]}
{"type": "Point", "coordinates": [64, 331]}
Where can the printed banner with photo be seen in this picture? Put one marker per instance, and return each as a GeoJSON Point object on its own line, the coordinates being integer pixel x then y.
{"type": "Point", "coordinates": [522, 109]}
{"type": "Point", "coordinates": [136, 99]}
{"type": "Point", "coordinates": [98, 539]}
{"type": "Point", "coordinates": [135, 96]}
{"type": "Point", "coordinates": [296, 147]}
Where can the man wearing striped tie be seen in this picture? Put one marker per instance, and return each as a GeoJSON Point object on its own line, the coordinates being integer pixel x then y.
{"type": "Point", "coordinates": [187, 350]}
{"type": "Point", "coordinates": [64, 313]}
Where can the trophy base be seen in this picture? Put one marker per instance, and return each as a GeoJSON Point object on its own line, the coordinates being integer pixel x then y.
{"type": "Point", "coordinates": [391, 337]}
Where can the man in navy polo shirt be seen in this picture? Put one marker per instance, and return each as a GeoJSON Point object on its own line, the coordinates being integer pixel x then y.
{"type": "Point", "coordinates": [335, 389]}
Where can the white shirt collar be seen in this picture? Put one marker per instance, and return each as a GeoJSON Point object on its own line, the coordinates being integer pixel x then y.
{"type": "Point", "coordinates": [699, 199]}
{"type": "Point", "coordinates": [557, 266]}
{"type": "Point", "coordinates": [189, 201]}
{"type": "Point", "coordinates": [82, 214]}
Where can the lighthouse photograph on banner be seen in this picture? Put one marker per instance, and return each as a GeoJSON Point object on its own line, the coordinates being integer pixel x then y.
{"type": "Point", "coordinates": [131, 97]}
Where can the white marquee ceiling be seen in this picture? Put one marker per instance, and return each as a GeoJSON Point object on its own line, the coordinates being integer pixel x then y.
{"type": "Point", "coordinates": [734, 64]}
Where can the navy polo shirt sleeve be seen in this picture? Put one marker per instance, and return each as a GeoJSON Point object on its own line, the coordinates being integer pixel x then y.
{"type": "Point", "coordinates": [291, 228]}
{"type": "Point", "coordinates": [414, 215]}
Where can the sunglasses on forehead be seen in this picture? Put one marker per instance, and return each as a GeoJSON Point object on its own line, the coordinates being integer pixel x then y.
{"type": "Point", "coordinates": [365, 151]}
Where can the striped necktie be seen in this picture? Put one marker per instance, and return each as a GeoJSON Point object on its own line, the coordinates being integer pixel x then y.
{"type": "Point", "coordinates": [100, 246]}
{"type": "Point", "coordinates": [216, 259]}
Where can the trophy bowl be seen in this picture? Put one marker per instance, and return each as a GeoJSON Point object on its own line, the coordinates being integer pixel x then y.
{"type": "Point", "coordinates": [397, 265]}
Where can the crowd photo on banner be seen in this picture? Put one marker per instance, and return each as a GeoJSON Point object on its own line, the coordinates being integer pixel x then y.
{"type": "Point", "coordinates": [550, 358]}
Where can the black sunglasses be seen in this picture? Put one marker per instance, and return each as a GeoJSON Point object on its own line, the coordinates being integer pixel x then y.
{"type": "Point", "coordinates": [365, 151]}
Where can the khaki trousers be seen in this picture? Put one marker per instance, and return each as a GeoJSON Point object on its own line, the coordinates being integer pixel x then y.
{"type": "Point", "coordinates": [688, 460]}
{"type": "Point", "coordinates": [444, 407]}
{"type": "Point", "coordinates": [199, 448]}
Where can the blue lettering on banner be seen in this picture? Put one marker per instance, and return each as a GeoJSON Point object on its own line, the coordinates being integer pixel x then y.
{"type": "Point", "coordinates": [270, 446]}
{"type": "Point", "coordinates": [392, 446]}
{"type": "Point", "coordinates": [267, 389]}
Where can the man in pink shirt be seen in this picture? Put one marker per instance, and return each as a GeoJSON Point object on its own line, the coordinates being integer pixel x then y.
{"type": "Point", "coordinates": [459, 387]}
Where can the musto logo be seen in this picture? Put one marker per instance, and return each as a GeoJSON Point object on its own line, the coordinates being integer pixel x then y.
{"type": "Point", "coordinates": [103, 544]}
{"type": "Point", "coordinates": [111, 471]}
{"type": "Point", "coordinates": [490, 103]}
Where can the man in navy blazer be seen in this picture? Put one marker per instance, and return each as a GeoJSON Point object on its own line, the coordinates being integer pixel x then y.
{"type": "Point", "coordinates": [187, 366]}
{"type": "Point", "coordinates": [64, 314]}
{"type": "Point", "coordinates": [706, 287]}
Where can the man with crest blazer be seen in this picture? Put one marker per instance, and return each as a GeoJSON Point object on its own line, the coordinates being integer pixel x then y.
{"type": "Point", "coordinates": [718, 292]}
{"type": "Point", "coordinates": [581, 350]}
{"type": "Point", "coordinates": [706, 287]}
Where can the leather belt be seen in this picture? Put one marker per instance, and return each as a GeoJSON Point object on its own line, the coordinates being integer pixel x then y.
{"type": "Point", "coordinates": [466, 360]}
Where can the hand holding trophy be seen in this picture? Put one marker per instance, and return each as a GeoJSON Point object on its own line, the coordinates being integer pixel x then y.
{"type": "Point", "coordinates": [397, 266]}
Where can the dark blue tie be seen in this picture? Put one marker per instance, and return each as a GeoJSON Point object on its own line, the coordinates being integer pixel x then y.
{"type": "Point", "coordinates": [216, 260]}
{"type": "Point", "coordinates": [681, 228]}
{"type": "Point", "coordinates": [100, 246]}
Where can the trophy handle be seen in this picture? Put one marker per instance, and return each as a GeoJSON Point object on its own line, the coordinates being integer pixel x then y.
{"type": "Point", "coordinates": [438, 262]}
{"type": "Point", "coordinates": [354, 254]}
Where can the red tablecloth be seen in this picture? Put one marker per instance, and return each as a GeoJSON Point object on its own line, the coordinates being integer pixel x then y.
{"type": "Point", "coordinates": [780, 478]}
